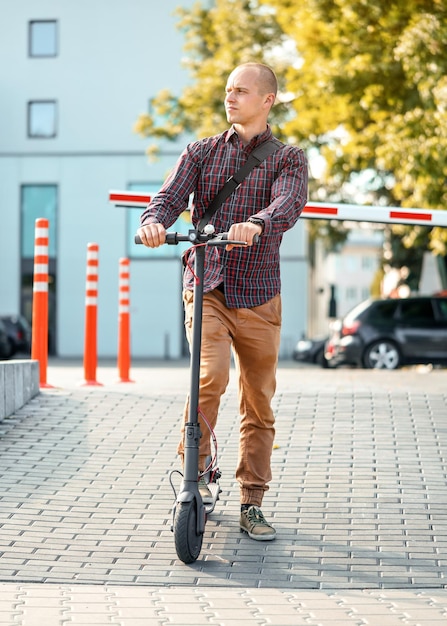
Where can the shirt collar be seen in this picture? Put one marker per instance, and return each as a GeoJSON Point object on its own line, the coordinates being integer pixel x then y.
{"type": "Point", "coordinates": [257, 139]}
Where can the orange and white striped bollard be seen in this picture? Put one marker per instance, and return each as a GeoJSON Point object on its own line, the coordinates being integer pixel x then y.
{"type": "Point", "coordinates": [91, 314]}
{"type": "Point", "coordinates": [39, 336]}
{"type": "Point", "coordinates": [124, 322]}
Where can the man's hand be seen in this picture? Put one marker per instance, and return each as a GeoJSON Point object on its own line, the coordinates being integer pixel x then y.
{"type": "Point", "coordinates": [243, 231]}
{"type": "Point", "coordinates": [152, 235]}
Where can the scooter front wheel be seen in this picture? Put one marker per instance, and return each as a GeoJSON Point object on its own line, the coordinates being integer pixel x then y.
{"type": "Point", "coordinates": [188, 542]}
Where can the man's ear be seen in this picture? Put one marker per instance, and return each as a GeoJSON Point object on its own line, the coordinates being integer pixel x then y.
{"type": "Point", "coordinates": [270, 99]}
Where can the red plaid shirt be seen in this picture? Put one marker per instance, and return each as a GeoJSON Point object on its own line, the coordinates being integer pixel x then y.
{"type": "Point", "coordinates": [275, 191]}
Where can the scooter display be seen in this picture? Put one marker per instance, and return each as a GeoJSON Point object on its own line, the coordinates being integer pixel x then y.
{"type": "Point", "coordinates": [190, 513]}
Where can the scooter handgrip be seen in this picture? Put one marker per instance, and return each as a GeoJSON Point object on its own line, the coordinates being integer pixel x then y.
{"type": "Point", "coordinates": [224, 237]}
{"type": "Point", "coordinates": [137, 239]}
{"type": "Point", "coordinates": [171, 239]}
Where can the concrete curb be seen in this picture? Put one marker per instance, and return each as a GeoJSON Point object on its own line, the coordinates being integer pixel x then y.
{"type": "Point", "coordinates": [19, 382]}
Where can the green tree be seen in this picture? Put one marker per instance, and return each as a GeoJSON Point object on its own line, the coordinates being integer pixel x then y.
{"type": "Point", "coordinates": [216, 40]}
{"type": "Point", "coordinates": [371, 93]}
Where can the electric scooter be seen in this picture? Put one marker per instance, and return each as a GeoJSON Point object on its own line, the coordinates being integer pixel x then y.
{"type": "Point", "coordinates": [190, 513]}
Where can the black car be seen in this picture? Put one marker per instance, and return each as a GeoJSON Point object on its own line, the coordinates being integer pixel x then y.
{"type": "Point", "coordinates": [19, 333]}
{"type": "Point", "coordinates": [6, 350]}
{"type": "Point", "coordinates": [311, 351]}
{"type": "Point", "coordinates": [389, 333]}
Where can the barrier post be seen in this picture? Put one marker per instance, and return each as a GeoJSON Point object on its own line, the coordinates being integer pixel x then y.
{"type": "Point", "coordinates": [124, 322]}
{"type": "Point", "coordinates": [91, 308]}
{"type": "Point", "coordinates": [39, 335]}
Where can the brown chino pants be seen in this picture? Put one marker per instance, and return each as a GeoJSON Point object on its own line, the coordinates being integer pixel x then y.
{"type": "Point", "coordinates": [255, 336]}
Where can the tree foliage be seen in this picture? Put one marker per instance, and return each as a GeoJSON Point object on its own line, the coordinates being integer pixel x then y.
{"type": "Point", "coordinates": [216, 40]}
{"type": "Point", "coordinates": [372, 94]}
{"type": "Point", "coordinates": [364, 84]}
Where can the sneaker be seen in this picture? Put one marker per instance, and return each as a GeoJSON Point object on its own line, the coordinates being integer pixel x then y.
{"type": "Point", "coordinates": [253, 522]}
{"type": "Point", "coordinates": [207, 496]}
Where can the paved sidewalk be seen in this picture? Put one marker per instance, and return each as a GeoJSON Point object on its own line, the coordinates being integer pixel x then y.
{"type": "Point", "coordinates": [358, 498]}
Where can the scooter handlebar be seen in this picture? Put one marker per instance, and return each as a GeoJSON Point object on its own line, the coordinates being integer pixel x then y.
{"type": "Point", "coordinates": [174, 238]}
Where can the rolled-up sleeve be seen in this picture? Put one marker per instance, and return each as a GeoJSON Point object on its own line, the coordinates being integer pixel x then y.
{"type": "Point", "coordinates": [289, 193]}
{"type": "Point", "coordinates": [173, 197]}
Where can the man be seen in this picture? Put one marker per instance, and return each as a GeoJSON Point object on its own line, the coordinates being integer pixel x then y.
{"type": "Point", "coordinates": [242, 303]}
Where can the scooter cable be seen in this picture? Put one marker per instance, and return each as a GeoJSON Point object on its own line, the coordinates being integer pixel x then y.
{"type": "Point", "coordinates": [213, 462]}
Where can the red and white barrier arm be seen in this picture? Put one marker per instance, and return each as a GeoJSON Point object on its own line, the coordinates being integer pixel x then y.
{"type": "Point", "coordinates": [325, 211]}
{"type": "Point", "coordinates": [383, 215]}
{"type": "Point", "coordinates": [129, 198]}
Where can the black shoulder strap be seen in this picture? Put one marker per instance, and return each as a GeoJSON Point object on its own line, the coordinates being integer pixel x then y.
{"type": "Point", "coordinates": [256, 157]}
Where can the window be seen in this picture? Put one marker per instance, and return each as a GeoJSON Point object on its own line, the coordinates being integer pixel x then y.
{"type": "Point", "coordinates": [350, 263]}
{"type": "Point", "coordinates": [368, 263]}
{"type": "Point", "coordinates": [442, 307]}
{"type": "Point", "coordinates": [42, 37]}
{"type": "Point", "coordinates": [38, 201]}
{"type": "Point", "coordinates": [134, 251]}
{"type": "Point", "coordinates": [42, 118]}
{"type": "Point", "coordinates": [383, 311]}
{"type": "Point", "coordinates": [365, 293]}
{"type": "Point", "coordinates": [351, 293]}
{"type": "Point", "coordinates": [417, 310]}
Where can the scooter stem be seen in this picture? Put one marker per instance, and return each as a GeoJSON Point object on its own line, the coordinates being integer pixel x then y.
{"type": "Point", "coordinates": [192, 428]}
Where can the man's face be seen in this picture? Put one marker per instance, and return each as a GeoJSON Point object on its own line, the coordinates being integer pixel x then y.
{"type": "Point", "coordinates": [243, 102]}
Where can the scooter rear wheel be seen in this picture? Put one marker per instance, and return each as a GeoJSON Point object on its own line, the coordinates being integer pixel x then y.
{"type": "Point", "coordinates": [188, 542]}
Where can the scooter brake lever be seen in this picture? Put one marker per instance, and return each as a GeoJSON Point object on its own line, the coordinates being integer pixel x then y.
{"type": "Point", "coordinates": [223, 237]}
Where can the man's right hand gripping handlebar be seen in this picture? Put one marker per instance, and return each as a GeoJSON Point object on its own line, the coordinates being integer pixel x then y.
{"type": "Point", "coordinates": [244, 231]}
{"type": "Point", "coordinates": [152, 235]}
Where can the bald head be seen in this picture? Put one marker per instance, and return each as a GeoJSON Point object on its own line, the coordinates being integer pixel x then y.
{"type": "Point", "coordinates": [250, 95]}
{"type": "Point", "coordinates": [265, 77]}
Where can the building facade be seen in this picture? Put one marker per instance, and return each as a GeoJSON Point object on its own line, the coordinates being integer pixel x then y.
{"type": "Point", "coordinates": [340, 280]}
{"type": "Point", "coordinates": [73, 78]}
{"type": "Point", "coordinates": [354, 268]}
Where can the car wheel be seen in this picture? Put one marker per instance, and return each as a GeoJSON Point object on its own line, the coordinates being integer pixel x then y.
{"type": "Point", "coordinates": [383, 355]}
